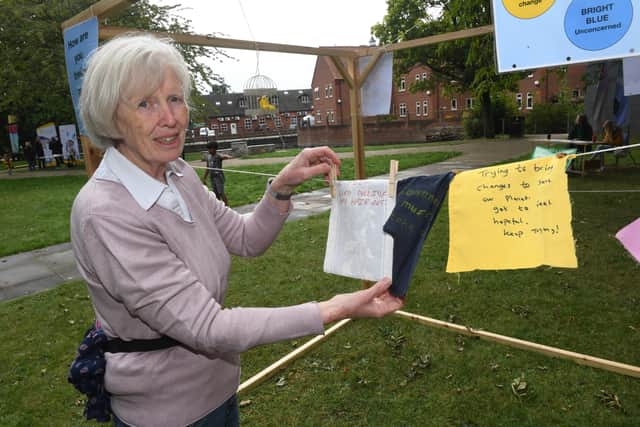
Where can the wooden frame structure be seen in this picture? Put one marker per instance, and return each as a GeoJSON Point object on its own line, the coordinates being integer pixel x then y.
{"type": "Point", "coordinates": [339, 56]}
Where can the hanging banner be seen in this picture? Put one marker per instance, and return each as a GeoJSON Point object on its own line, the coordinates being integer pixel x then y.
{"type": "Point", "coordinates": [79, 41]}
{"type": "Point", "coordinates": [13, 137]}
{"type": "Point", "coordinates": [69, 139]}
{"type": "Point", "coordinates": [356, 245]}
{"type": "Point", "coordinates": [376, 89]}
{"type": "Point", "coordinates": [547, 33]}
{"type": "Point", "coordinates": [631, 75]}
{"type": "Point", "coordinates": [45, 134]}
{"type": "Point", "coordinates": [516, 215]}
{"type": "Point", "coordinates": [629, 236]}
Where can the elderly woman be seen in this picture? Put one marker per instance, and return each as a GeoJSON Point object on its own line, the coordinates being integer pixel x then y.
{"type": "Point", "coordinates": [154, 246]}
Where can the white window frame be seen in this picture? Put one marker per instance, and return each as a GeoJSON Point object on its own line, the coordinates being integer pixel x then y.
{"type": "Point", "coordinates": [316, 92]}
{"type": "Point", "coordinates": [318, 117]}
{"type": "Point", "coordinates": [425, 107]}
{"type": "Point", "coordinates": [529, 101]}
{"type": "Point", "coordinates": [262, 121]}
{"type": "Point", "coordinates": [223, 127]}
{"type": "Point", "coordinates": [403, 85]}
{"type": "Point", "coordinates": [417, 77]}
{"type": "Point", "coordinates": [418, 108]}
{"type": "Point", "coordinates": [278, 122]}
{"type": "Point", "coordinates": [402, 109]}
{"type": "Point", "coordinates": [454, 104]}
{"type": "Point", "coordinates": [519, 101]}
{"type": "Point", "coordinates": [424, 76]}
{"type": "Point", "coordinates": [248, 124]}
{"type": "Point", "coordinates": [469, 103]}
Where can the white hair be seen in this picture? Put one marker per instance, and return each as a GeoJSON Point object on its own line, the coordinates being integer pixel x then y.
{"type": "Point", "coordinates": [131, 64]}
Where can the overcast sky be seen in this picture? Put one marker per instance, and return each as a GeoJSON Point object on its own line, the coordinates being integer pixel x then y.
{"type": "Point", "coordinates": [324, 23]}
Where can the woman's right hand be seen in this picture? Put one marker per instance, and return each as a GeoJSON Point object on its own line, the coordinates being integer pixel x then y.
{"type": "Point", "coordinates": [375, 301]}
{"type": "Point", "coordinates": [307, 164]}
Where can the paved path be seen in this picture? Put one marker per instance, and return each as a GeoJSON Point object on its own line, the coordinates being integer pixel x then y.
{"type": "Point", "coordinates": [30, 272]}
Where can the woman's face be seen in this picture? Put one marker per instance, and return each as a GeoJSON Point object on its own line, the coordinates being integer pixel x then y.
{"type": "Point", "coordinates": [153, 127]}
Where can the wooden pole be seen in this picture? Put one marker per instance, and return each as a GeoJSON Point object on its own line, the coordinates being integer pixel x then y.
{"type": "Point", "coordinates": [107, 32]}
{"type": "Point", "coordinates": [101, 9]}
{"type": "Point", "coordinates": [424, 41]}
{"type": "Point", "coordinates": [372, 63]}
{"type": "Point", "coordinates": [92, 155]}
{"type": "Point", "coordinates": [274, 367]}
{"type": "Point", "coordinates": [581, 359]}
{"type": "Point", "coordinates": [357, 129]}
{"type": "Point", "coordinates": [337, 61]}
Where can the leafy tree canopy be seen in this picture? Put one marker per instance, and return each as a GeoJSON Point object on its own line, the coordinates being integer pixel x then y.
{"type": "Point", "coordinates": [33, 79]}
{"type": "Point", "coordinates": [460, 65]}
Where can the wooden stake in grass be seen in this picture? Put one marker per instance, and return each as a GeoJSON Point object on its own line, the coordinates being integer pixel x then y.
{"type": "Point", "coordinates": [581, 359]}
{"type": "Point", "coordinates": [300, 351]}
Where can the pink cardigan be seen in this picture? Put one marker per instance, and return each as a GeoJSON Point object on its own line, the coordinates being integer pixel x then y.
{"type": "Point", "coordinates": [151, 273]}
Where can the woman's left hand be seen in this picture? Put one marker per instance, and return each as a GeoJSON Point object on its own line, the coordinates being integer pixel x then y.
{"type": "Point", "coordinates": [375, 301]}
{"type": "Point", "coordinates": [307, 164]}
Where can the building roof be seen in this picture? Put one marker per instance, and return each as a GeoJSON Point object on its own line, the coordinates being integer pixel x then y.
{"type": "Point", "coordinates": [290, 100]}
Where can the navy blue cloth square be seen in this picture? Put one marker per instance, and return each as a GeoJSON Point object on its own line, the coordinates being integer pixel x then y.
{"type": "Point", "coordinates": [418, 201]}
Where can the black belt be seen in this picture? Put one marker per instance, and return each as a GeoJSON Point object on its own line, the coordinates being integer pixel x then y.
{"type": "Point", "coordinates": [118, 345]}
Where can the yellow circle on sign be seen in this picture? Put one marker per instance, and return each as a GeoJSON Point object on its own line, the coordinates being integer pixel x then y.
{"type": "Point", "coordinates": [527, 9]}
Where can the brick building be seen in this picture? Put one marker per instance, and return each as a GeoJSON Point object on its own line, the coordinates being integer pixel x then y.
{"type": "Point", "coordinates": [227, 116]}
{"type": "Point", "coordinates": [426, 114]}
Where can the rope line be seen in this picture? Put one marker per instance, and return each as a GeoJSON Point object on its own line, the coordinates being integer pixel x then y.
{"type": "Point", "coordinates": [604, 150]}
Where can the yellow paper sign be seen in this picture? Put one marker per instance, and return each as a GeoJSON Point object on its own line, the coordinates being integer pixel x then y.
{"type": "Point", "coordinates": [516, 215]}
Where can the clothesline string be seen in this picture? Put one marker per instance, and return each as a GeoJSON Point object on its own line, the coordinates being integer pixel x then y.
{"type": "Point", "coordinates": [320, 179]}
{"type": "Point", "coordinates": [604, 150]}
{"type": "Point", "coordinates": [270, 175]}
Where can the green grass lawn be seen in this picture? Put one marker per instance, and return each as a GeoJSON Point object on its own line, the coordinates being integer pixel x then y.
{"type": "Point", "coordinates": [36, 211]}
{"type": "Point", "coordinates": [394, 372]}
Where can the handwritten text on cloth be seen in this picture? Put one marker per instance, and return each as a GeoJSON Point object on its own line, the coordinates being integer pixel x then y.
{"type": "Point", "coordinates": [356, 245]}
{"type": "Point", "coordinates": [516, 215]}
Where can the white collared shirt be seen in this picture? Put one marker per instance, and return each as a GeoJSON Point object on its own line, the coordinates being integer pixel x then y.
{"type": "Point", "coordinates": [146, 190]}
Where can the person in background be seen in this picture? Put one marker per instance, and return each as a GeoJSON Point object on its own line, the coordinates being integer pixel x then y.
{"type": "Point", "coordinates": [581, 129]}
{"type": "Point", "coordinates": [155, 247]}
{"type": "Point", "coordinates": [30, 155]}
{"type": "Point", "coordinates": [214, 168]}
{"type": "Point", "coordinates": [7, 159]}
{"type": "Point", "coordinates": [56, 149]}
{"type": "Point", "coordinates": [71, 153]}
{"type": "Point", "coordinates": [42, 163]}
{"type": "Point", "coordinates": [612, 135]}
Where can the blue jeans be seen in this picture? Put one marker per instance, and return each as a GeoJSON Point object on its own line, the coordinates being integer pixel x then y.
{"type": "Point", "coordinates": [225, 415]}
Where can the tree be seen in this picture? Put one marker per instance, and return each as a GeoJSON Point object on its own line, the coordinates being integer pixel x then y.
{"type": "Point", "coordinates": [459, 65]}
{"type": "Point", "coordinates": [33, 79]}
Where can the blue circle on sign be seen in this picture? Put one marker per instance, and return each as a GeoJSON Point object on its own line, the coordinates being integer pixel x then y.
{"type": "Point", "coordinates": [597, 24]}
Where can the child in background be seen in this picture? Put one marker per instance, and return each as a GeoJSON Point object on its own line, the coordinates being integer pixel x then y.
{"type": "Point", "coordinates": [214, 168]}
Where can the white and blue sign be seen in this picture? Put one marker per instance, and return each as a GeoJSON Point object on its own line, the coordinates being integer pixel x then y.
{"type": "Point", "coordinates": [79, 41]}
{"type": "Point", "coordinates": [545, 33]}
